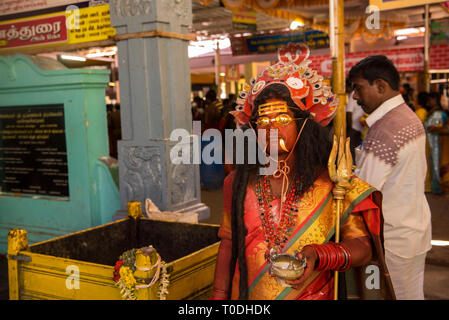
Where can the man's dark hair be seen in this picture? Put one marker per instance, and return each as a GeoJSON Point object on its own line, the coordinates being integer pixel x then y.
{"type": "Point", "coordinates": [435, 95]}
{"type": "Point", "coordinates": [376, 67]}
{"type": "Point", "coordinates": [211, 95]}
{"type": "Point", "coordinates": [423, 98]}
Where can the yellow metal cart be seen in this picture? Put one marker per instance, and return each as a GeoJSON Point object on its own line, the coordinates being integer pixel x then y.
{"type": "Point", "coordinates": [80, 265]}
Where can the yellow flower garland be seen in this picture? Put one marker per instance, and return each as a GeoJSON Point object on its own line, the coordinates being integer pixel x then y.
{"type": "Point", "coordinates": [127, 277]}
{"type": "Point", "coordinates": [127, 282]}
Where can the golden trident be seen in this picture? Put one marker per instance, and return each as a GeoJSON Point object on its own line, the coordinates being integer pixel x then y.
{"type": "Point", "coordinates": [340, 174]}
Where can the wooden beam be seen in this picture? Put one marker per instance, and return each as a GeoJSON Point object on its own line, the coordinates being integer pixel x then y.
{"type": "Point", "coordinates": [64, 47]}
{"type": "Point", "coordinates": [154, 33]}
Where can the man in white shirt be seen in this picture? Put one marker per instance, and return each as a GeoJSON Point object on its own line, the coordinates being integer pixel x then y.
{"type": "Point", "coordinates": [392, 159]}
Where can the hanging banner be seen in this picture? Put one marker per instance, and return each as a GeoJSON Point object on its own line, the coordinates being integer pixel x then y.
{"type": "Point", "coordinates": [8, 7]}
{"type": "Point", "coordinates": [272, 42]}
{"type": "Point", "coordinates": [439, 32]}
{"type": "Point", "coordinates": [76, 26]}
{"type": "Point", "coordinates": [244, 19]}
{"type": "Point", "coordinates": [396, 4]}
{"type": "Point", "coordinates": [405, 60]}
{"type": "Point", "coordinates": [33, 32]}
{"type": "Point", "coordinates": [232, 72]}
{"type": "Point", "coordinates": [94, 25]}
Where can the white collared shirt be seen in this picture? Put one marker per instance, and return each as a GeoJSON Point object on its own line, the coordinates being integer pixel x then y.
{"type": "Point", "coordinates": [384, 108]}
{"type": "Point", "coordinates": [392, 159]}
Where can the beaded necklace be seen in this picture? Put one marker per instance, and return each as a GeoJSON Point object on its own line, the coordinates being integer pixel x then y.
{"type": "Point", "coordinates": [276, 235]}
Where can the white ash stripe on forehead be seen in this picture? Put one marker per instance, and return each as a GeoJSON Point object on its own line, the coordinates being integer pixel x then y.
{"type": "Point", "coordinates": [392, 132]}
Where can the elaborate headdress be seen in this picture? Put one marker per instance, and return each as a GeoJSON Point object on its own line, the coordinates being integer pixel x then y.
{"type": "Point", "coordinates": [306, 87]}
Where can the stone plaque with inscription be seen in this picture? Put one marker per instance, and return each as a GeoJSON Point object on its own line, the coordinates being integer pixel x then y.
{"type": "Point", "coordinates": [54, 173]}
{"type": "Point", "coordinates": [33, 156]}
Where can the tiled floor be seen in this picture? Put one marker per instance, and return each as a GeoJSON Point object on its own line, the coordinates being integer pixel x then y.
{"type": "Point", "coordinates": [214, 200]}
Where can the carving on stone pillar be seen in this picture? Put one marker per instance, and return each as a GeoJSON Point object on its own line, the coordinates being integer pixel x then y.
{"type": "Point", "coordinates": [142, 175]}
{"type": "Point", "coordinates": [183, 187]}
{"type": "Point", "coordinates": [180, 7]}
{"type": "Point", "coordinates": [130, 8]}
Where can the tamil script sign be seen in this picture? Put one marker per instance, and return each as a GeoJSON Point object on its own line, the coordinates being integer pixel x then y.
{"type": "Point", "coordinates": [439, 31]}
{"type": "Point", "coordinates": [75, 26]}
{"type": "Point", "coordinates": [405, 60]}
{"type": "Point", "coordinates": [244, 19]}
{"type": "Point", "coordinates": [33, 32]}
{"type": "Point", "coordinates": [272, 42]}
{"type": "Point", "coordinates": [94, 24]}
{"type": "Point", "coordinates": [8, 7]}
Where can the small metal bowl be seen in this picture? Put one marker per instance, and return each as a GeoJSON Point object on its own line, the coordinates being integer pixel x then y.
{"type": "Point", "coordinates": [287, 267]}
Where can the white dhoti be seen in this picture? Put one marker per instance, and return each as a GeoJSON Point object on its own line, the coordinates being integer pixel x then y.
{"type": "Point", "coordinates": [407, 275]}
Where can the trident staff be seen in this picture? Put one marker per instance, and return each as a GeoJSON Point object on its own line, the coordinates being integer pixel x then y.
{"type": "Point", "coordinates": [340, 174]}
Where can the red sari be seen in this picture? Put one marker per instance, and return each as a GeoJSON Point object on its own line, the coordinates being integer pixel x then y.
{"type": "Point", "coordinates": [315, 224]}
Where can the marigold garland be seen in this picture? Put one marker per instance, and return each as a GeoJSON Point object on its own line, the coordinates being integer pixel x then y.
{"type": "Point", "coordinates": [124, 279]}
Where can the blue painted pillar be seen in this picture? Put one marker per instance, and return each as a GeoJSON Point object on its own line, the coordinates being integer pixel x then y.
{"type": "Point", "coordinates": [155, 89]}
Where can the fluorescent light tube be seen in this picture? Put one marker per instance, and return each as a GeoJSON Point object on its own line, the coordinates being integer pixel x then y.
{"type": "Point", "coordinates": [75, 58]}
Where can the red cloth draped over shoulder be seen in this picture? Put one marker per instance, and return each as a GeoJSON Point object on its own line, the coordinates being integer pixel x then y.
{"type": "Point", "coordinates": [371, 213]}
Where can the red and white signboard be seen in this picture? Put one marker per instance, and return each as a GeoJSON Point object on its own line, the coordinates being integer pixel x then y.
{"type": "Point", "coordinates": [33, 32]}
{"type": "Point", "coordinates": [439, 56]}
{"type": "Point", "coordinates": [16, 6]}
{"type": "Point", "coordinates": [405, 60]}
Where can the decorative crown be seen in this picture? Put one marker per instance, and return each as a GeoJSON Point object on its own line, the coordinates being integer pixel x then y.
{"type": "Point", "coordinates": [303, 83]}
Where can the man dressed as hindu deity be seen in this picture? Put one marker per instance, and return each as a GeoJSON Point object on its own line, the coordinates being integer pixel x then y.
{"type": "Point", "coordinates": [278, 230]}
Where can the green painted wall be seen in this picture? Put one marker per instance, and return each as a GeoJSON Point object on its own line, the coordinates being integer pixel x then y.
{"type": "Point", "coordinates": [93, 195]}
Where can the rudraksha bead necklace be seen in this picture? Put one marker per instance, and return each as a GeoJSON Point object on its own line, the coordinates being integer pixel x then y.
{"type": "Point", "coordinates": [277, 234]}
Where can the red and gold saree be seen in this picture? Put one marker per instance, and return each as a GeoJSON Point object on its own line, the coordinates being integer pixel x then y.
{"type": "Point", "coordinates": [315, 224]}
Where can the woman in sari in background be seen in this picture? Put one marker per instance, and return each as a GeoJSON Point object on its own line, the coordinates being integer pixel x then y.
{"type": "Point", "coordinates": [438, 166]}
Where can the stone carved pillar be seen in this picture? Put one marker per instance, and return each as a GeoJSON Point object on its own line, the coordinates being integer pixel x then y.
{"type": "Point", "coordinates": [155, 90]}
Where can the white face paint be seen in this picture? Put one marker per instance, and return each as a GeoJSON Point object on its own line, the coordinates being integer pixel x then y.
{"type": "Point", "coordinates": [295, 83]}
